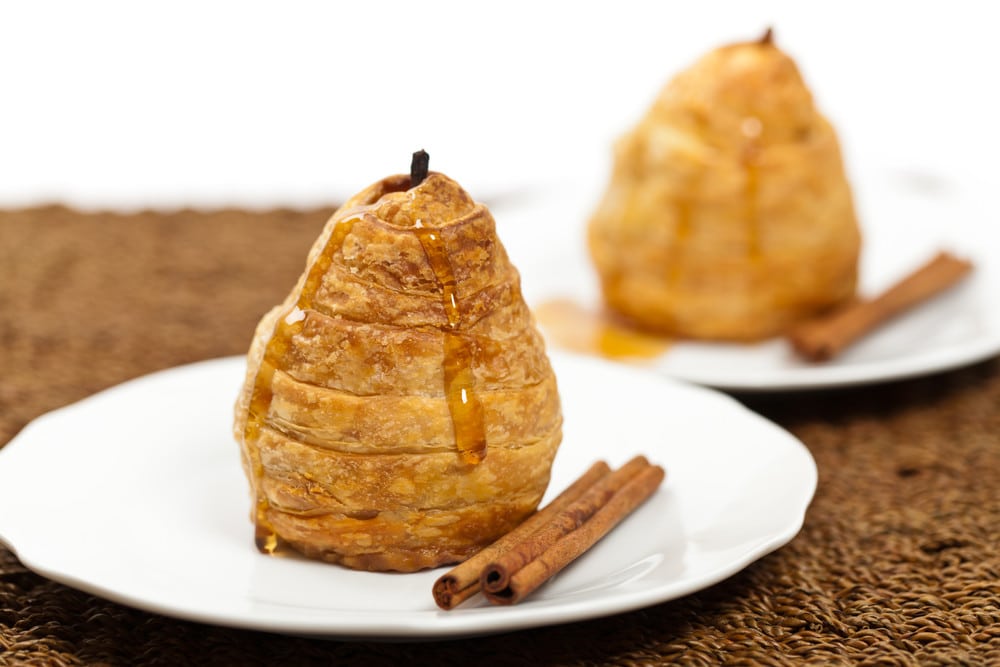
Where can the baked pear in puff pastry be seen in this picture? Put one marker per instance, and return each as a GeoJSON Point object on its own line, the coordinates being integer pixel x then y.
{"type": "Point", "coordinates": [399, 411]}
{"type": "Point", "coordinates": [728, 214]}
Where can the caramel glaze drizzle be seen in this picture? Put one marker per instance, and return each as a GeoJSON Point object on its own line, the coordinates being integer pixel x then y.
{"type": "Point", "coordinates": [751, 128]}
{"type": "Point", "coordinates": [750, 212]}
{"type": "Point", "coordinates": [466, 409]}
{"type": "Point", "coordinates": [684, 206]}
{"type": "Point", "coordinates": [288, 325]}
{"type": "Point", "coordinates": [463, 402]}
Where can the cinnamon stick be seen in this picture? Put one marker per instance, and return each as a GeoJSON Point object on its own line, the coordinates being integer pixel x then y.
{"type": "Point", "coordinates": [824, 338]}
{"type": "Point", "coordinates": [496, 575]}
{"type": "Point", "coordinates": [570, 546]}
{"type": "Point", "coordinates": [462, 582]}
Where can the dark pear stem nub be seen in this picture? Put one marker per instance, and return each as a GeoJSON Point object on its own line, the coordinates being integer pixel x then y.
{"type": "Point", "coordinates": [418, 167]}
{"type": "Point", "coordinates": [768, 37]}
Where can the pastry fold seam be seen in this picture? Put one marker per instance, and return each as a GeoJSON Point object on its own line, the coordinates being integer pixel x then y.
{"type": "Point", "coordinates": [303, 439]}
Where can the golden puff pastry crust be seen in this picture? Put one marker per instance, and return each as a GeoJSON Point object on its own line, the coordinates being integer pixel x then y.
{"type": "Point", "coordinates": [399, 411]}
{"type": "Point", "coordinates": [728, 214]}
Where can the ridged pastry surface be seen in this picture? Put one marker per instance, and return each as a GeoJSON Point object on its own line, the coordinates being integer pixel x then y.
{"type": "Point", "coordinates": [728, 214]}
{"type": "Point", "coordinates": [399, 411]}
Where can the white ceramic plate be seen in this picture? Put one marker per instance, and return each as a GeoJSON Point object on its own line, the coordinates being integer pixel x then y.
{"type": "Point", "coordinates": [906, 217]}
{"type": "Point", "coordinates": [136, 494]}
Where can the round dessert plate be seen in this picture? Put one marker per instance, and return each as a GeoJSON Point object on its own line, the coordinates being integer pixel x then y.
{"type": "Point", "coordinates": [906, 218]}
{"type": "Point", "coordinates": [136, 494]}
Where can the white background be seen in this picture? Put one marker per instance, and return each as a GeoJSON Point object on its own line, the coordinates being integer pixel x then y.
{"type": "Point", "coordinates": [126, 104]}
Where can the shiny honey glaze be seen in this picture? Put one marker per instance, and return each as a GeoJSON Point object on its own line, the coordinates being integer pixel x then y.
{"type": "Point", "coordinates": [751, 128]}
{"type": "Point", "coordinates": [685, 201]}
{"type": "Point", "coordinates": [463, 402]}
{"type": "Point", "coordinates": [684, 207]}
{"type": "Point", "coordinates": [287, 326]}
{"type": "Point", "coordinates": [750, 213]}
{"type": "Point", "coordinates": [575, 327]}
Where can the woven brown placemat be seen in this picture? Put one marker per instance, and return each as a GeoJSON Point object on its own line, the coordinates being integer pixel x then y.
{"type": "Point", "coordinates": [898, 562]}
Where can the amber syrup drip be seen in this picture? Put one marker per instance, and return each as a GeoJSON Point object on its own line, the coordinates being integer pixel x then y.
{"type": "Point", "coordinates": [575, 327]}
{"type": "Point", "coordinates": [288, 325]}
{"type": "Point", "coordinates": [750, 209]}
{"type": "Point", "coordinates": [463, 403]}
{"type": "Point", "coordinates": [752, 129]}
{"type": "Point", "coordinates": [682, 209]}
{"type": "Point", "coordinates": [684, 206]}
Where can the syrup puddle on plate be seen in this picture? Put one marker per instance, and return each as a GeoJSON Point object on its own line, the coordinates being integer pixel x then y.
{"type": "Point", "coordinates": [578, 328]}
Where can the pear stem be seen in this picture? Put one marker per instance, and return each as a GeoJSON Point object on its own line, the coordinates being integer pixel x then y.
{"type": "Point", "coordinates": [418, 167]}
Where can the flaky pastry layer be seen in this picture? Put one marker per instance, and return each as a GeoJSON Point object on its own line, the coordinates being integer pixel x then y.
{"type": "Point", "coordinates": [399, 410]}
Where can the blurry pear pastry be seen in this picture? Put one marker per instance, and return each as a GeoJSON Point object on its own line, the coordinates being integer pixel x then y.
{"type": "Point", "coordinates": [399, 410]}
{"type": "Point", "coordinates": [728, 214]}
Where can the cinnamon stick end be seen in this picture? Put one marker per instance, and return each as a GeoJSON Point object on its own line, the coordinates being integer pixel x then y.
{"type": "Point", "coordinates": [444, 592]}
{"type": "Point", "coordinates": [811, 347]}
{"type": "Point", "coordinates": [958, 266]}
{"type": "Point", "coordinates": [494, 578]}
{"type": "Point", "coordinates": [504, 596]}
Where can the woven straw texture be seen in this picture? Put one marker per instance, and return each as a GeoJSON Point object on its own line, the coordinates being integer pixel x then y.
{"type": "Point", "coordinates": [898, 562]}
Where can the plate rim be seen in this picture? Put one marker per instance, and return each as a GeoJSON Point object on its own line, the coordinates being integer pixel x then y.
{"type": "Point", "coordinates": [445, 624]}
{"type": "Point", "coordinates": [927, 363]}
